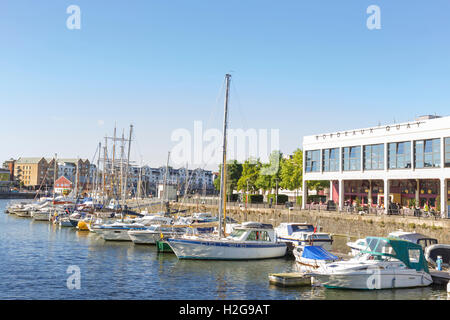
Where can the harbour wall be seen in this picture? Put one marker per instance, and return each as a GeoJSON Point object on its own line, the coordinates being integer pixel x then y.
{"type": "Point", "coordinates": [353, 225]}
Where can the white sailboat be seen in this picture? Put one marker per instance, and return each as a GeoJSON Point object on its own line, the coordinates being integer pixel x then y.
{"type": "Point", "coordinates": [249, 241]}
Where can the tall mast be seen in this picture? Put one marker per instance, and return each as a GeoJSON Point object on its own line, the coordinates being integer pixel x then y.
{"type": "Point", "coordinates": [223, 198]}
{"type": "Point", "coordinates": [113, 164]}
{"type": "Point", "coordinates": [54, 178]}
{"type": "Point", "coordinates": [128, 163]}
{"type": "Point", "coordinates": [165, 181]}
{"type": "Point", "coordinates": [105, 151]}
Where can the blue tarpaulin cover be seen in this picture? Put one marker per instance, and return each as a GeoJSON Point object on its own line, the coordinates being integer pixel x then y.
{"type": "Point", "coordinates": [317, 253]}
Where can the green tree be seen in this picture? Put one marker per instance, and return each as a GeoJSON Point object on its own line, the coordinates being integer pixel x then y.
{"type": "Point", "coordinates": [292, 171]}
{"type": "Point", "coordinates": [250, 173]}
{"type": "Point", "coordinates": [318, 185]}
{"type": "Point", "coordinates": [234, 172]}
{"type": "Point", "coordinates": [269, 175]}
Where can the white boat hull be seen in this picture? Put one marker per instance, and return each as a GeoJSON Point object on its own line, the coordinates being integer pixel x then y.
{"type": "Point", "coordinates": [216, 250]}
{"type": "Point", "coordinates": [41, 216]}
{"type": "Point", "coordinates": [115, 234]}
{"type": "Point", "coordinates": [65, 223]}
{"type": "Point", "coordinates": [140, 237]}
{"type": "Point", "coordinates": [23, 213]}
{"type": "Point", "coordinates": [370, 281]}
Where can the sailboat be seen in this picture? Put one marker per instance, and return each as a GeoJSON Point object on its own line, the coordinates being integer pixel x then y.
{"type": "Point", "coordinates": [251, 240]}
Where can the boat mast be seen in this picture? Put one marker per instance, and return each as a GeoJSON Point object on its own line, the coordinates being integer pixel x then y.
{"type": "Point", "coordinates": [223, 199]}
{"type": "Point", "coordinates": [165, 182]}
{"type": "Point", "coordinates": [126, 168]}
{"type": "Point", "coordinates": [54, 178]}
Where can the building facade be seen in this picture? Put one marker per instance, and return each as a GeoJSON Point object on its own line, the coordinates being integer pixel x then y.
{"type": "Point", "coordinates": [406, 163]}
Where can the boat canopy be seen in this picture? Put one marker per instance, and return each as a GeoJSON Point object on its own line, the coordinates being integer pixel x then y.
{"type": "Point", "coordinates": [317, 253]}
{"type": "Point", "coordinates": [411, 254]}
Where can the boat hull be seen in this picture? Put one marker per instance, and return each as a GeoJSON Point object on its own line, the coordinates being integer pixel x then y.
{"type": "Point", "coordinates": [373, 281]}
{"type": "Point", "coordinates": [216, 250]}
{"type": "Point", "coordinates": [23, 213]}
{"type": "Point", "coordinates": [41, 216]}
{"type": "Point", "coordinates": [115, 234]}
{"type": "Point", "coordinates": [326, 244]}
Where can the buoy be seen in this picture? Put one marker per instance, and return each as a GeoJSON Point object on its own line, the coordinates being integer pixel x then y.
{"type": "Point", "coordinates": [82, 226]}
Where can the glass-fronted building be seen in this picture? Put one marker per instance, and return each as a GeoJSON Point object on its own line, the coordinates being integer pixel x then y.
{"type": "Point", "coordinates": [406, 163]}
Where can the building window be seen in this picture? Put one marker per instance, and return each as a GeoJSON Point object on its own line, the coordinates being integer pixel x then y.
{"type": "Point", "coordinates": [312, 161]}
{"type": "Point", "coordinates": [374, 157]}
{"type": "Point", "coordinates": [427, 153]}
{"type": "Point", "coordinates": [399, 154]}
{"type": "Point", "coordinates": [330, 159]}
{"type": "Point", "coordinates": [351, 158]}
{"type": "Point", "coordinates": [447, 152]}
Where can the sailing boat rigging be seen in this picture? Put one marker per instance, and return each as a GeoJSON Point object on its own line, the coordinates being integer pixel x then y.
{"type": "Point", "coordinates": [250, 240]}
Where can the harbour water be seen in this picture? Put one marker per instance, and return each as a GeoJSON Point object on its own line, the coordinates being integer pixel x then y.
{"type": "Point", "coordinates": [35, 257]}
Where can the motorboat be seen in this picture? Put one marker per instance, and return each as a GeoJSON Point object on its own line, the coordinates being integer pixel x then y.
{"type": "Point", "coordinates": [154, 233]}
{"type": "Point", "coordinates": [118, 231]}
{"type": "Point", "coordinates": [386, 263]}
{"type": "Point", "coordinates": [414, 237]}
{"type": "Point", "coordinates": [312, 258]}
{"type": "Point", "coordinates": [435, 250]}
{"type": "Point", "coordinates": [302, 234]}
{"type": "Point", "coordinates": [251, 240]}
{"type": "Point", "coordinates": [357, 246]}
{"type": "Point", "coordinates": [24, 212]}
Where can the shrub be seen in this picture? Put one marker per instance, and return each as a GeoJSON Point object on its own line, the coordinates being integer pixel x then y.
{"type": "Point", "coordinates": [255, 198]}
{"type": "Point", "coordinates": [281, 199]}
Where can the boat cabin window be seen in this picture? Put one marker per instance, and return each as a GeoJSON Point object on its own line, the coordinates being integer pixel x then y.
{"type": "Point", "coordinates": [237, 233]}
{"type": "Point", "coordinates": [301, 228]}
{"type": "Point", "coordinates": [379, 246]}
{"type": "Point", "coordinates": [257, 235]}
{"type": "Point", "coordinates": [414, 255]}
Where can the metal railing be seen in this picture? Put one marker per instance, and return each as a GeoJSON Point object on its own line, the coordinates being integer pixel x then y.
{"type": "Point", "coordinates": [405, 212]}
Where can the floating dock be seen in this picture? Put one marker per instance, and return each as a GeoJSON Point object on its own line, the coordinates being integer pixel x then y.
{"type": "Point", "coordinates": [292, 279]}
{"type": "Point", "coordinates": [440, 277]}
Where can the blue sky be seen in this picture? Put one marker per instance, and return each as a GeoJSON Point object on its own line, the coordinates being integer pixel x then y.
{"type": "Point", "coordinates": [302, 67]}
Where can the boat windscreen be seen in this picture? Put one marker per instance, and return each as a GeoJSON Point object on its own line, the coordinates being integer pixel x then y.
{"type": "Point", "coordinates": [300, 228]}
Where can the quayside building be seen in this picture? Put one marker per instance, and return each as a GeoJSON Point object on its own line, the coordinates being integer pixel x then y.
{"type": "Point", "coordinates": [406, 163]}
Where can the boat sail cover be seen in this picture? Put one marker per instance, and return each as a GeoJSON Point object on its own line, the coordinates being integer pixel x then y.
{"type": "Point", "coordinates": [317, 253]}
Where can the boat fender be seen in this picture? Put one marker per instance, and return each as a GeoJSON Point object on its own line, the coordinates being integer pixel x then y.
{"type": "Point", "coordinates": [393, 282]}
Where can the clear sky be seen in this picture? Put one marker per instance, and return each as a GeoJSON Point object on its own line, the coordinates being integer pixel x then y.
{"type": "Point", "coordinates": [302, 67]}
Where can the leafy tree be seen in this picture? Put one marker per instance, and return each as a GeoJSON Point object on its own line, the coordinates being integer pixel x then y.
{"type": "Point", "coordinates": [270, 172]}
{"type": "Point", "coordinates": [234, 172]}
{"type": "Point", "coordinates": [318, 185]}
{"type": "Point", "coordinates": [250, 173]}
{"type": "Point", "coordinates": [292, 171]}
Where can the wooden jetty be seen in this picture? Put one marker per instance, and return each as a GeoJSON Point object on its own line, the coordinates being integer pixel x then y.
{"type": "Point", "coordinates": [292, 279]}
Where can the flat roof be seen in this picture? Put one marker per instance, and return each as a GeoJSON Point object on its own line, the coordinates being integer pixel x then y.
{"type": "Point", "coordinates": [405, 131]}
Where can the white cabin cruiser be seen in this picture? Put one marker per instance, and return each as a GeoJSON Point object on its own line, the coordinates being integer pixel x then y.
{"type": "Point", "coordinates": [386, 263]}
{"type": "Point", "coordinates": [357, 246]}
{"type": "Point", "coordinates": [252, 240]}
{"type": "Point", "coordinates": [302, 234]}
